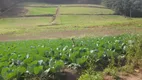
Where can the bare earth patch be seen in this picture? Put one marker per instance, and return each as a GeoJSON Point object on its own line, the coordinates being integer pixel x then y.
{"type": "Point", "coordinates": [137, 75]}
{"type": "Point", "coordinates": [92, 32]}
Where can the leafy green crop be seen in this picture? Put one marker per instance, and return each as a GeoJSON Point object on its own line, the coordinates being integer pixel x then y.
{"type": "Point", "coordinates": [38, 56]}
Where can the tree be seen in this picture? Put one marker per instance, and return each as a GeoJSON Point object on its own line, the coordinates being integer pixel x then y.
{"type": "Point", "coordinates": [132, 8]}
{"type": "Point", "coordinates": [3, 5]}
{"type": "Point", "coordinates": [9, 7]}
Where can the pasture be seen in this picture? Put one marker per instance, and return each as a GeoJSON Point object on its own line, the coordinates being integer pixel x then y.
{"type": "Point", "coordinates": [71, 18]}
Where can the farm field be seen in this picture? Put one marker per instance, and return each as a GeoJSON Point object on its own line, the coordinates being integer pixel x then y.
{"type": "Point", "coordinates": [37, 56]}
{"type": "Point", "coordinates": [70, 26]}
{"type": "Point", "coordinates": [40, 11]}
{"type": "Point", "coordinates": [72, 18]}
{"type": "Point", "coordinates": [82, 38]}
{"type": "Point", "coordinates": [68, 10]}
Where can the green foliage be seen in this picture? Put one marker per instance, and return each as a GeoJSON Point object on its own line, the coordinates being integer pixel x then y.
{"type": "Point", "coordinates": [91, 76]}
{"type": "Point", "coordinates": [125, 7]}
{"type": "Point", "coordinates": [134, 53]}
{"type": "Point", "coordinates": [36, 56]}
{"type": "Point", "coordinates": [129, 68]}
{"type": "Point", "coordinates": [38, 69]}
{"type": "Point", "coordinates": [111, 71]}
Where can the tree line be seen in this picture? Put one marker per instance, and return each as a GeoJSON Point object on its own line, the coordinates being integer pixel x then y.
{"type": "Point", "coordinates": [6, 4]}
{"type": "Point", "coordinates": [72, 1]}
{"type": "Point", "coordinates": [131, 8]}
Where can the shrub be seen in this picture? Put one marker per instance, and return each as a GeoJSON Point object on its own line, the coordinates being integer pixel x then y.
{"type": "Point", "coordinates": [134, 53]}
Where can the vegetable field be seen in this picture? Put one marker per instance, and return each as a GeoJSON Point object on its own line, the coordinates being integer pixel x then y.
{"type": "Point", "coordinates": [49, 56]}
{"type": "Point", "coordinates": [88, 39]}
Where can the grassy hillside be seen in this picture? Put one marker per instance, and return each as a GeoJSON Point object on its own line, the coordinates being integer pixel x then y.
{"type": "Point", "coordinates": [21, 25]}
{"type": "Point", "coordinates": [85, 10]}
{"type": "Point", "coordinates": [71, 17]}
{"type": "Point", "coordinates": [70, 22]}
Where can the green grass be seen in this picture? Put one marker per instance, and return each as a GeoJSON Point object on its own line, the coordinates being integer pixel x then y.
{"type": "Point", "coordinates": [69, 22]}
{"type": "Point", "coordinates": [81, 5]}
{"type": "Point", "coordinates": [68, 10]}
{"type": "Point", "coordinates": [30, 25]}
{"type": "Point", "coordinates": [85, 10]}
{"type": "Point", "coordinates": [40, 11]}
{"type": "Point", "coordinates": [22, 25]}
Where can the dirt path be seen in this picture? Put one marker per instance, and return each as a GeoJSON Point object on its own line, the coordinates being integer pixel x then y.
{"type": "Point", "coordinates": [95, 32]}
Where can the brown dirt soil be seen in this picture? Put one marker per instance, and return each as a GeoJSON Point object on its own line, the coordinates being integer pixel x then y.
{"type": "Point", "coordinates": [137, 75]}
{"type": "Point", "coordinates": [94, 31]}
{"type": "Point", "coordinates": [70, 74]}
{"type": "Point", "coordinates": [107, 77]}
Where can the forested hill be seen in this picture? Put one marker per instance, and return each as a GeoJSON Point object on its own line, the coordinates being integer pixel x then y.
{"type": "Point", "coordinates": [4, 4]}
{"type": "Point", "coordinates": [7, 3]}
{"type": "Point", "coordinates": [70, 1]}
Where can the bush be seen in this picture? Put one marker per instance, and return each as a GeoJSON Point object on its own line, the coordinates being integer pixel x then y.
{"type": "Point", "coordinates": [91, 76]}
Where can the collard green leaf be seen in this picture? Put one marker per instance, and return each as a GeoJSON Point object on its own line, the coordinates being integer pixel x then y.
{"type": "Point", "coordinates": [38, 69]}
{"type": "Point", "coordinates": [1, 78]}
{"type": "Point", "coordinates": [21, 69]}
{"type": "Point", "coordinates": [4, 72]}
{"type": "Point", "coordinates": [11, 75]}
